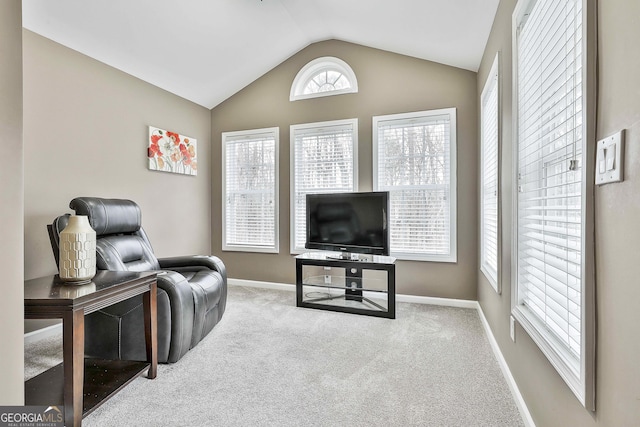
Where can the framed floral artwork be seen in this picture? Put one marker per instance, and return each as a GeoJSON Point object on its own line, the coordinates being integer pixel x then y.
{"type": "Point", "coordinates": [172, 152]}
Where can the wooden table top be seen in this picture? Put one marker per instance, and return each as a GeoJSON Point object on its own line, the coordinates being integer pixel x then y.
{"type": "Point", "coordinates": [51, 291]}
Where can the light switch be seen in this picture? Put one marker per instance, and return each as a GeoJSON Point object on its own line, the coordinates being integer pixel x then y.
{"type": "Point", "coordinates": [609, 159]}
{"type": "Point", "coordinates": [610, 155]}
{"type": "Point", "coordinates": [602, 164]}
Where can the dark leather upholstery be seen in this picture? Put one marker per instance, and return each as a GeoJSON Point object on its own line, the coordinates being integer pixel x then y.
{"type": "Point", "coordinates": [192, 290]}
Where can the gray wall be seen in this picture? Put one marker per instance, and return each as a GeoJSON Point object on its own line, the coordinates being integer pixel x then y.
{"type": "Point", "coordinates": [388, 83]}
{"type": "Point", "coordinates": [11, 198]}
{"type": "Point", "coordinates": [617, 238]}
{"type": "Point", "coordinates": [85, 133]}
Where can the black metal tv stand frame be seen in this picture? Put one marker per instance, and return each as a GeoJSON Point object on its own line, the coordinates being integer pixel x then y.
{"type": "Point", "coordinates": [343, 256]}
{"type": "Point", "coordinates": [356, 287]}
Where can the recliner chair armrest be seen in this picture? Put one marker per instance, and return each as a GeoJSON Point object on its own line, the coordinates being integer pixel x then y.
{"type": "Point", "coordinates": [182, 312]}
{"type": "Point", "coordinates": [194, 262]}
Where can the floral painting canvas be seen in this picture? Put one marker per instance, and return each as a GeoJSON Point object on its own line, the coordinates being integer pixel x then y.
{"type": "Point", "coordinates": [172, 152]}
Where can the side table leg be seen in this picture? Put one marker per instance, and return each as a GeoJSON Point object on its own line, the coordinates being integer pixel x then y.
{"type": "Point", "coordinates": [73, 356]}
{"type": "Point", "coordinates": [150, 308]}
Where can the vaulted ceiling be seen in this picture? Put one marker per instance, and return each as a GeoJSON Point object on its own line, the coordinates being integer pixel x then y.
{"type": "Point", "coordinates": [207, 50]}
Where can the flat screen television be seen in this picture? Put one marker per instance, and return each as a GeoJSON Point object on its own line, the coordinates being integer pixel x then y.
{"type": "Point", "coordinates": [348, 222]}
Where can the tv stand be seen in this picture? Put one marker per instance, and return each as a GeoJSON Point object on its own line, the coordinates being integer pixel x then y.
{"type": "Point", "coordinates": [329, 281]}
{"type": "Point", "coordinates": [344, 256]}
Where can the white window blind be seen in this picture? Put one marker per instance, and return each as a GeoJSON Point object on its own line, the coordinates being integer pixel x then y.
{"type": "Point", "coordinates": [551, 176]}
{"type": "Point", "coordinates": [489, 177]}
{"type": "Point", "coordinates": [324, 161]}
{"type": "Point", "coordinates": [250, 209]}
{"type": "Point", "coordinates": [414, 159]}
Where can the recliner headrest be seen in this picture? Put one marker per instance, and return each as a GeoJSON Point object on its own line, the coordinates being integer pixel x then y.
{"type": "Point", "coordinates": [109, 216]}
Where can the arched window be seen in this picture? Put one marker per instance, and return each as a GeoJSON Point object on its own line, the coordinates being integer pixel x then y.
{"type": "Point", "coordinates": [324, 76]}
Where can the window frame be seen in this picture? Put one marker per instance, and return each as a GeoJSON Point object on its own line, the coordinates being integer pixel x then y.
{"type": "Point", "coordinates": [491, 84]}
{"type": "Point", "coordinates": [232, 247]}
{"type": "Point", "coordinates": [312, 68]}
{"type": "Point", "coordinates": [583, 384]}
{"type": "Point", "coordinates": [292, 136]}
{"type": "Point", "coordinates": [452, 257]}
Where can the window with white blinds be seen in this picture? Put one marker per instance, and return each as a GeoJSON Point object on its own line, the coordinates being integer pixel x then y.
{"type": "Point", "coordinates": [250, 190]}
{"type": "Point", "coordinates": [414, 158]}
{"type": "Point", "coordinates": [552, 183]}
{"type": "Point", "coordinates": [489, 188]}
{"type": "Point", "coordinates": [324, 157]}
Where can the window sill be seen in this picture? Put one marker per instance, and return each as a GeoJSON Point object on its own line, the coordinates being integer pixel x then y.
{"type": "Point", "coordinates": [255, 249]}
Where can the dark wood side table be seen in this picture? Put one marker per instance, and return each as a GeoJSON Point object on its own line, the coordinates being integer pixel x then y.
{"type": "Point", "coordinates": [80, 384]}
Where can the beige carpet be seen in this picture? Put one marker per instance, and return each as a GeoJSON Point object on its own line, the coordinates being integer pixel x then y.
{"type": "Point", "coordinates": [269, 363]}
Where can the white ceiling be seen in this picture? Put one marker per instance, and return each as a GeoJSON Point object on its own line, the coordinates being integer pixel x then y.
{"type": "Point", "coordinates": [207, 50]}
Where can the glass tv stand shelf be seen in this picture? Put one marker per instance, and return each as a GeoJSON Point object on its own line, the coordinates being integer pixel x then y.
{"type": "Point", "coordinates": [362, 285]}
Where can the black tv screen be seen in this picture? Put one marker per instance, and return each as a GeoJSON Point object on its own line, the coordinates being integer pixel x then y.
{"type": "Point", "coordinates": [348, 222]}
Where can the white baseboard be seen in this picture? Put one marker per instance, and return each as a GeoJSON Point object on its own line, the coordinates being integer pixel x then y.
{"type": "Point", "coordinates": [447, 302]}
{"type": "Point", "coordinates": [515, 391]}
{"type": "Point", "coordinates": [39, 334]}
{"type": "Point", "coordinates": [460, 303]}
{"type": "Point", "coordinates": [259, 284]}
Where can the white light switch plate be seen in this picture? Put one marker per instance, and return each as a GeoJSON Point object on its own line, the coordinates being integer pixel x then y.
{"type": "Point", "coordinates": [610, 159]}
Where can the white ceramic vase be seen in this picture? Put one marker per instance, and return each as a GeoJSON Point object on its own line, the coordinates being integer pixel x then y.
{"type": "Point", "coordinates": [77, 251]}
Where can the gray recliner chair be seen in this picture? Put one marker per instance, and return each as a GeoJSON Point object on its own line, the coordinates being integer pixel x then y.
{"type": "Point", "coordinates": [192, 290]}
